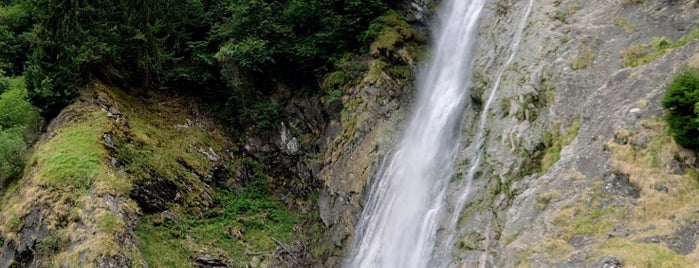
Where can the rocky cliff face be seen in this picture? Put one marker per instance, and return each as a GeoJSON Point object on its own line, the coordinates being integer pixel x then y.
{"type": "Point", "coordinates": [579, 170]}
{"type": "Point", "coordinates": [578, 117]}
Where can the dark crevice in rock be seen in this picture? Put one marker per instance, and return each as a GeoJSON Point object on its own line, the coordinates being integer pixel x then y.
{"type": "Point", "coordinates": [23, 252]}
{"type": "Point", "coordinates": [152, 195]}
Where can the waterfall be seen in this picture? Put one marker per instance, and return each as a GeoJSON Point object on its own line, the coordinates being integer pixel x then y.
{"type": "Point", "coordinates": [399, 223]}
{"type": "Point", "coordinates": [409, 196]}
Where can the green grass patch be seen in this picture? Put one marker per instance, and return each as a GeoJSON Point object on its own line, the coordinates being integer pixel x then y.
{"type": "Point", "coordinates": [625, 24]}
{"type": "Point", "coordinates": [594, 222]}
{"type": "Point", "coordinates": [584, 59]}
{"type": "Point", "coordinates": [555, 143]}
{"type": "Point", "coordinates": [394, 32]}
{"type": "Point", "coordinates": [161, 246]}
{"type": "Point", "coordinates": [155, 146]}
{"type": "Point", "coordinates": [589, 219]}
{"type": "Point", "coordinates": [642, 54]}
{"type": "Point", "coordinates": [109, 223]}
{"type": "Point", "coordinates": [637, 254]}
{"type": "Point", "coordinates": [75, 155]}
{"type": "Point", "coordinates": [238, 224]}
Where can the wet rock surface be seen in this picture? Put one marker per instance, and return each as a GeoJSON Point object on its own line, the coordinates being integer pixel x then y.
{"type": "Point", "coordinates": [542, 94]}
{"type": "Point", "coordinates": [584, 199]}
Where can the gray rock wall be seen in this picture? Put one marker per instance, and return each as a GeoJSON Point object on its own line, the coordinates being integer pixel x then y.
{"type": "Point", "coordinates": [568, 72]}
{"type": "Point", "coordinates": [554, 188]}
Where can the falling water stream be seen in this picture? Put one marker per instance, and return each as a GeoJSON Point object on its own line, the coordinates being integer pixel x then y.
{"type": "Point", "coordinates": [408, 198]}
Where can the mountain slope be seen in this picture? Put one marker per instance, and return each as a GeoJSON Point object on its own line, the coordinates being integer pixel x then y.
{"type": "Point", "coordinates": [122, 181]}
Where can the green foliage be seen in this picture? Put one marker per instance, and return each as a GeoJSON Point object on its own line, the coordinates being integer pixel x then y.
{"type": "Point", "coordinates": [238, 223]}
{"type": "Point", "coordinates": [348, 71]}
{"type": "Point", "coordinates": [72, 42]}
{"type": "Point", "coordinates": [14, 24]}
{"type": "Point", "coordinates": [249, 54]}
{"type": "Point", "coordinates": [233, 53]}
{"type": "Point", "coordinates": [682, 104]}
{"type": "Point", "coordinates": [642, 54]}
{"type": "Point", "coordinates": [259, 113]}
{"type": "Point", "coordinates": [12, 153]}
{"type": "Point", "coordinates": [20, 124]}
{"type": "Point", "coordinates": [74, 156]}
{"type": "Point", "coordinates": [302, 36]}
{"type": "Point", "coordinates": [4, 84]}
{"type": "Point", "coordinates": [394, 32]}
{"type": "Point", "coordinates": [15, 109]}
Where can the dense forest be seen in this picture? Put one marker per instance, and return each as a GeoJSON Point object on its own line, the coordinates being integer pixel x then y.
{"type": "Point", "coordinates": [231, 58]}
{"type": "Point", "coordinates": [211, 48]}
{"type": "Point", "coordinates": [154, 103]}
{"type": "Point", "coordinates": [230, 53]}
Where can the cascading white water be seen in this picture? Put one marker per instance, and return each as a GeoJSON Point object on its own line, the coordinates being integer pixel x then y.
{"type": "Point", "coordinates": [399, 223]}
{"type": "Point", "coordinates": [408, 198]}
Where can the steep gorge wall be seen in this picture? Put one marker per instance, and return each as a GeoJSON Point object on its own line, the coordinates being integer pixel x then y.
{"type": "Point", "coordinates": [552, 156]}
{"type": "Point", "coordinates": [564, 182]}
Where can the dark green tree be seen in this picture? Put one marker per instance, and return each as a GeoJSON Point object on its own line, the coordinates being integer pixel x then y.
{"type": "Point", "coordinates": [15, 22]}
{"type": "Point", "coordinates": [682, 104]}
{"type": "Point", "coordinates": [292, 40]}
{"type": "Point", "coordinates": [75, 41]}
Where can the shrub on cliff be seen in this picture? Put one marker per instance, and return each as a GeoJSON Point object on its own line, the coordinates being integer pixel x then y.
{"type": "Point", "coordinates": [682, 104]}
{"type": "Point", "coordinates": [20, 124]}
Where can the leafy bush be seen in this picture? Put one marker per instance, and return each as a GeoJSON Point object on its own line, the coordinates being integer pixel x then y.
{"type": "Point", "coordinates": [301, 36]}
{"type": "Point", "coordinates": [4, 84]}
{"type": "Point", "coordinates": [14, 23]}
{"type": "Point", "coordinates": [20, 124]}
{"type": "Point", "coordinates": [263, 114]}
{"type": "Point", "coordinates": [682, 104]}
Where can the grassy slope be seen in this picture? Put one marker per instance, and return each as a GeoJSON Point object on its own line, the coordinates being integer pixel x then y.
{"type": "Point", "coordinates": [157, 136]}
{"type": "Point", "coordinates": [233, 226]}
{"type": "Point", "coordinates": [67, 176]}
{"type": "Point", "coordinates": [655, 213]}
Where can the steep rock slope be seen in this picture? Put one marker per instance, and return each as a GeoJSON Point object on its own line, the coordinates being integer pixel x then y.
{"type": "Point", "coordinates": [578, 170]}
